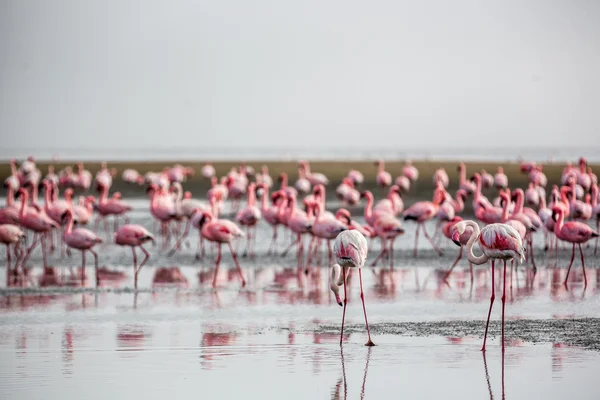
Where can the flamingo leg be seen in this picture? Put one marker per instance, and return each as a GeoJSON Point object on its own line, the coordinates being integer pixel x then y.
{"type": "Point", "coordinates": [8, 260]}
{"type": "Point", "coordinates": [570, 264]}
{"type": "Point", "coordinates": [531, 251]}
{"type": "Point", "coordinates": [273, 245]}
{"type": "Point", "coordinates": [297, 241]}
{"type": "Point", "coordinates": [487, 324]}
{"type": "Point", "coordinates": [435, 246]}
{"type": "Point", "coordinates": [380, 255]}
{"type": "Point", "coordinates": [454, 265]}
{"type": "Point", "coordinates": [34, 242]}
{"type": "Point", "coordinates": [471, 270]}
{"type": "Point", "coordinates": [362, 297]}
{"type": "Point", "coordinates": [597, 237]}
{"type": "Point", "coordinates": [503, 303]}
{"type": "Point", "coordinates": [43, 243]}
{"type": "Point", "coordinates": [416, 239]}
{"type": "Point", "coordinates": [345, 303]}
{"type": "Point", "coordinates": [392, 252]}
{"type": "Point", "coordinates": [237, 264]}
{"type": "Point", "coordinates": [135, 268]}
{"type": "Point", "coordinates": [181, 239]}
{"type": "Point", "coordinates": [95, 266]}
{"type": "Point", "coordinates": [146, 258]}
{"type": "Point", "coordinates": [583, 266]}
{"type": "Point", "coordinates": [214, 282]}
{"type": "Point", "coordinates": [82, 267]}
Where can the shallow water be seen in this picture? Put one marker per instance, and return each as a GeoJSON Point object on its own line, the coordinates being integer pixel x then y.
{"type": "Point", "coordinates": [278, 337]}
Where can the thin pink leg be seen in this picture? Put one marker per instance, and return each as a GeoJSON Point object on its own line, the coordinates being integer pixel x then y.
{"type": "Point", "coordinates": [214, 282]}
{"type": "Point", "coordinates": [95, 266]}
{"type": "Point", "coordinates": [487, 324]}
{"type": "Point", "coordinates": [583, 266]}
{"type": "Point", "coordinates": [571, 264]}
{"type": "Point", "coordinates": [503, 303]}
{"type": "Point", "coordinates": [417, 239]}
{"type": "Point", "coordinates": [435, 246]}
{"type": "Point", "coordinates": [454, 265]}
{"type": "Point", "coordinates": [362, 297]}
{"type": "Point", "coordinates": [135, 269]}
{"type": "Point", "coordinates": [82, 267]}
{"type": "Point", "coordinates": [345, 303]}
{"type": "Point", "coordinates": [237, 264]}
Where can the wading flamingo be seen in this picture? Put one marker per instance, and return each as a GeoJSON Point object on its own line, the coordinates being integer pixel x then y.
{"type": "Point", "coordinates": [350, 250]}
{"type": "Point", "coordinates": [83, 240]}
{"type": "Point", "coordinates": [423, 211]}
{"type": "Point", "coordinates": [573, 232]}
{"type": "Point", "coordinates": [133, 235]}
{"type": "Point", "coordinates": [11, 235]}
{"type": "Point", "coordinates": [249, 217]}
{"type": "Point", "coordinates": [37, 222]}
{"type": "Point", "coordinates": [497, 241]}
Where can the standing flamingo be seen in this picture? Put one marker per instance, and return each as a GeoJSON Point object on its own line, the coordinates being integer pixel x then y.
{"type": "Point", "coordinates": [573, 232]}
{"type": "Point", "coordinates": [384, 179]}
{"type": "Point", "coordinates": [249, 217]}
{"type": "Point", "coordinates": [11, 235]}
{"type": "Point", "coordinates": [350, 250]}
{"type": "Point", "coordinates": [423, 211]}
{"type": "Point", "coordinates": [83, 240]}
{"type": "Point", "coordinates": [133, 235]}
{"type": "Point", "coordinates": [497, 241]}
{"type": "Point", "coordinates": [37, 222]}
{"type": "Point", "coordinates": [463, 239]}
{"type": "Point", "coordinates": [221, 231]}
{"type": "Point", "coordinates": [410, 171]}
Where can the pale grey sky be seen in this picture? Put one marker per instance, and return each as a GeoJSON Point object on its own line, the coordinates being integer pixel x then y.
{"type": "Point", "coordinates": [365, 73]}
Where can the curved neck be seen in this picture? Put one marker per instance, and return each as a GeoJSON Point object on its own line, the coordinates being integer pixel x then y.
{"type": "Point", "coordinates": [13, 168]}
{"type": "Point", "coordinates": [459, 204]}
{"type": "Point", "coordinates": [47, 198]}
{"type": "Point", "coordinates": [595, 196]}
{"type": "Point", "coordinates": [381, 166]}
{"type": "Point", "coordinates": [69, 227]}
{"type": "Point", "coordinates": [23, 204]}
{"type": "Point", "coordinates": [265, 194]}
{"type": "Point", "coordinates": [251, 196]}
{"type": "Point", "coordinates": [463, 174]}
{"type": "Point", "coordinates": [518, 203]}
{"type": "Point", "coordinates": [34, 193]}
{"type": "Point", "coordinates": [474, 236]}
{"type": "Point", "coordinates": [10, 197]}
{"type": "Point", "coordinates": [559, 223]}
{"type": "Point", "coordinates": [284, 181]}
{"type": "Point", "coordinates": [542, 202]}
{"type": "Point", "coordinates": [369, 207]}
{"type": "Point", "coordinates": [104, 194]}
{"type": "Point", "coordinates": [504, 217]}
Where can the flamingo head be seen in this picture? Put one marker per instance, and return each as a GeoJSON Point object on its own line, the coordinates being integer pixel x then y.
{"type": "Point", "coordinates": [282, 176]}
{"type": "Point", "coordinates": [457, 230]}
{"type": "Point", "coordinates": [68, 193]}
{"type": "Point", "coordinates": [277, 196]}
{"type": "Point", "coordinates": [462, 194]}
{"type": "Point", "coordinates": [65, 216]}
{"type": "Point", "coordinates": [460, 167]}
{"type": "Point", "coordinates": [189, 171]}
{"type": "Point", "coordinates": [343, 214]}
{"type": "Point", "coordinates": [366, 195]}
{"type": "Point", "coordinates": [556, 213]}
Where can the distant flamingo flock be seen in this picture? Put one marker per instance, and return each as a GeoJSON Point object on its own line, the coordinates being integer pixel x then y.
{"type": "Point", "coordinates": [508, 219]}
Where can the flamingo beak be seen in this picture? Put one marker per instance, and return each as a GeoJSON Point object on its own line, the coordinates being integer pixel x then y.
{"type": "Point", "coordinates": [456, 238]}
{"type": "Point", "coordinates": [338, 300]}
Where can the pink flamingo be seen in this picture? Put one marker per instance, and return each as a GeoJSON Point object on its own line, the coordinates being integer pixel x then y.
{"type": "Point", "coordinates": [393, 204]}
{"type": "Point", "coordinates": [325, 227]}
{"type": "Point", "coordinates": [350, 249]}
{"type": "Point", "coordinates": [410, 171]}
{"type": "Point", "coordinates": [384, 179]}
{"type": "Point", "coordinates": [596, 211]}
{"type": "Point", "coordinates": [133, 235]}
{"type": "Point", "coordinates": [314, 178]}
{"type": "Point", "coordinates": [299, 223]}
{"type": "Point", "coordinates": [573, 232]}
{"type": "Point", "coordinates": [132, 176]}
{"type": "Point", "coordinates": [356, 177]}
{"type": "Point", "coordinates": [497, 241]}
{"type": "Point", "coordinates": [208, 171]}
{"type": "Point", "coordinates": [37, 222]}
{"type": "Point", "coordinates": [11, 235]}
{"type": "Point", "coordinates": [249, 217]}
{"type": "Point", "coordinates": [10, 213]}
{"type": "Point", "coordinates": [487, 179]}
{"type": "Point", "coordinates": [441, 176]}
{"type": "Point", "coordinates": [463, 239]}
{"type": "Point", "coordinates": [108, 207]}
{"type": "Point", "coordinates": [403, 183]}
{"type": "Point", "coordinates": [463, 183]}
{"type": "Point", "coordinates": [221, 231]}
{"type": "Point", "coordinates": [302, 184]}
{"type": "Point", "coordinates": [388, 228]}
{"type": "Point", "coordinates": [83, 240]}
{"type": "Point", "coordinates": [283, 179]}
{"type": "Point", "coordinates": [264, 177]}
{"type": "Point", "coordinates": [270, 213]}
{"type": "Point", "coordinates": [422, 212]}
{"type": "Point", "coordinates": [500, 179]}
{"type": "Point", "coordinates": [163, 209]}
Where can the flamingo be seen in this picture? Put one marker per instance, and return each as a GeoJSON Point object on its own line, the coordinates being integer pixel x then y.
{"type": "Point", "coordinates": [441, 176]}
{"type": "Point", "coordinates": [270, 213]}
{"type": "Point", "coordinates": [410, 171]}
{"type": "Point", "coordinates": [463, 183]}
{"type": "Point", "coordinates": [356, 177]}
{"type": "Point", "coordinates": [325, 227]}
{"type": "Point", "coordinates": [497, 241]}
{"type": "Point", "coordinates": [112, 206]}
{"type": "Point", "coordinates": [314, 178]}
{"type": "Point", "coordinates": [37, 222]}
{"type": "Point", "coordinates": [51, 176]}
{"type": "Point", "coordinates": [423, 211]}
{"type": "Point", "coordinates": [83, 240]}
{"type": "Point", "coordinates": [387, 227]}
{"type": "Point", "coordinates": [13, 181]}
{"type": "Point", "coordinates": [133, 235]}
{"type": "Point", "coordinates": [162, 208]}
{"type": "Point", "coordinates": [288, 190]}
{"type": "Point", "coordinates": [11, 235]}
{"type": "Point", "coordinates": [596, 211]}
{"type": "Point", "coordinates": [302, 184]}
{"type": "Point", "coordinates": [10, 213]}
{"type": "Point", "coordinates": [487, 179]}
{"type": "Point", "coordinates": [264, 177]}
{"type": "Point", "coordinates": [208, 171]}
{"type": "Point", "coordinates": [573, 232]}
{"type": "Point", "coordinates": [350, 249]}
{"type": "Point", "coordinates": [500, 179]}
{"type": "Point", "coordinates": [249, 217]}
{"type": "Point", "coordinates": [384, 179]}
{"type": "Point", "coordinates": [132, 176]}
{"type": "Point", "coordinates": [463, 239]}
{"type": "Point", "coordinates": [403, 183]}
{"type": "Point", "coordinates": [300, 223]}
{"type": "Point", "coordinates": [221, 231]}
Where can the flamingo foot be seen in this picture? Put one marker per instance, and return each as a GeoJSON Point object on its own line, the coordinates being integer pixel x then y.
{"type": "Point", "coordinates": [370, 343]}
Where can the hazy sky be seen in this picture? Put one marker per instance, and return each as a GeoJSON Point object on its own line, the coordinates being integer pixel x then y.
{"type": "Point", "coordinates": [362, 73]}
